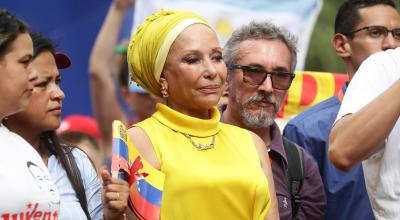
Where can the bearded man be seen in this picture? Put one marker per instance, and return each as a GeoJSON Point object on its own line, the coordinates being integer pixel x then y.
{"type": "Point", "coordinates": [261, 59]}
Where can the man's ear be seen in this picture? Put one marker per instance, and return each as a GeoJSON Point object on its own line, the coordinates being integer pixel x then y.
{"type": "Point", "coordinates": [340, 43]}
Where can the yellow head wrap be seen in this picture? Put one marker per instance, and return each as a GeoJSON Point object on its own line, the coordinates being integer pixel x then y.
{"type": "Point", "coordinates": [150, 45]}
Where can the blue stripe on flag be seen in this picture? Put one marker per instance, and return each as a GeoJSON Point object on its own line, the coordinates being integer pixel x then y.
{"type": "Point", "coordinates": [120, 148]}
{"type": "Point", "coordinates": [149, 192]}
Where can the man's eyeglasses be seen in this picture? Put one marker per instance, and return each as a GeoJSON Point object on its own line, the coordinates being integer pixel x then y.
{"type": "Point", "coordinates": [255, 76]}
{"type": "Point", "coordinates": [377, 32]}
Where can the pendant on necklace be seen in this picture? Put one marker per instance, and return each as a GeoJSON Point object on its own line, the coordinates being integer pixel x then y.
{"type": "Point", "coordinates": [201, 146]}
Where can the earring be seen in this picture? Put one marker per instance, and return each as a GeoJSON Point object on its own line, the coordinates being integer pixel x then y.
{"type": "Point", "coordinates": [164, 92]}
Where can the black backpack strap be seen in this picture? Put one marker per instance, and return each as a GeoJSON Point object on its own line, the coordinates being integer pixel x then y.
{"type": "Point", "coordinates": [79, 188]}
{"type": "Point", "coordinates": [294, 173]}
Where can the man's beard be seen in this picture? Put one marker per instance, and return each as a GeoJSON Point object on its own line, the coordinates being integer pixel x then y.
{"type": "Point", "coordinates": [262, 119]}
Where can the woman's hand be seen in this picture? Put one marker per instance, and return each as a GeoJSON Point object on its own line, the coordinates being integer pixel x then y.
{"type": "Point", "coordinates": [115, 196]}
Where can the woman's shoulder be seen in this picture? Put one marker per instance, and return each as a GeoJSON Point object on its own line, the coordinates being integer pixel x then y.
{"type": "Point", "coordinates": [90, 181]}
{"type": "Point", "coordinates": [82, 160]}
{"type": "Point", "coordinates": [85, 164]}
{"type": "Point", "coordinates": [141, 140]}
{"type": "Point", "coordinates": [80, 155]}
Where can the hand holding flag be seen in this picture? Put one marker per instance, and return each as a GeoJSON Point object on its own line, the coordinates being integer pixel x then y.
{"type": "Point", "coordinates": [145, 182]}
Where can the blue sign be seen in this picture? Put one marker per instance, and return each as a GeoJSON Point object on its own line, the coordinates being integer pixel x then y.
{"type": "Point", "coordinates": [73, 25]}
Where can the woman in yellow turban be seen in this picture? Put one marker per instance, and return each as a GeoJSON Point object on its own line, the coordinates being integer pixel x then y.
{"type": "Point", "coordinates": [212, 170]}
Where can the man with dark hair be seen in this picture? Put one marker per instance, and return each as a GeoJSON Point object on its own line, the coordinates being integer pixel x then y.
{"type": "Point", "coordinates": [362, 27]}
{"type": "Point", "coordinates": [367, 130]}
{"type": "Point", "coordinates": [261, 58]}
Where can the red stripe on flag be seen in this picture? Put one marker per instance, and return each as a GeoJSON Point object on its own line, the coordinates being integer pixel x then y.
{"type": "Point", "coordinates": [340, 79]}
{"type": "Point", "coordinates": [309, 90]}
{"type": "Point", "coordinates": [119, 162]}
{"type": "Point", "coordinates": [144, 209]}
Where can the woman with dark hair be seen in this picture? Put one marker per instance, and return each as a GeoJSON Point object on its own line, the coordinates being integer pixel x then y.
{"type": "Point", "coordinates": [71, 170]}
{"type": "Point", "coordinates": [26, 185]}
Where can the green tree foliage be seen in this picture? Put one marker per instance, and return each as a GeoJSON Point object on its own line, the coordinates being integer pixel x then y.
{"type": "Point", "coordinates": [321, 56]}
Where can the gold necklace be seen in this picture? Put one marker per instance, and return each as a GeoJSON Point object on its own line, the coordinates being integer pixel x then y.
{"type": "Point", "coordinates": [201, 146]}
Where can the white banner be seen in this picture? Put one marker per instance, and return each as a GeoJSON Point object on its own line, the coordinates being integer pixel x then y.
{"type": "Point", "coordinates": [298, 16]}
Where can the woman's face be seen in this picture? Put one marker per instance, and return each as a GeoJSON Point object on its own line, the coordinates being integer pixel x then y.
{"type": "Point", "coordinates": [44, 110]}
{"type": "Point", "coordinates": [194, 71]}
{"type": "Point", "coordinates": [15, 85]}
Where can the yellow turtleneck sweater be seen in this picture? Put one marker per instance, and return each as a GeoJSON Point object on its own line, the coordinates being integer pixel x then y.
{"type": "Point", "coordinates": [224, 182]}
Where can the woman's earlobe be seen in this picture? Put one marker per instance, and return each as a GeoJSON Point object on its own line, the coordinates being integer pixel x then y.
{"type": "Point", "coordinates": [163, 81]}
{"type": "Point", "coordinates": [164, 86]}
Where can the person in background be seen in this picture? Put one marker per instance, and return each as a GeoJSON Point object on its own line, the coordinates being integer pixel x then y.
{"type": "Point", "coordinates": [103, 87]}
{"type": "Point", "coordinates": [362, 27]}
{"type": "Point", "coordinates": [261, 58]}
{"type": "Point", "coordinates": [24, 179]}
{"type": "Point", "coordinates": [212, 170]}
{"type": "Point", "coordinates": [82, 131]}
{"type": "Point", "coordinates": [70, 168]}
{"type": "Point", "coordinates": [223, 101]}
{"type": "Point", "coordinates": [367, 130]}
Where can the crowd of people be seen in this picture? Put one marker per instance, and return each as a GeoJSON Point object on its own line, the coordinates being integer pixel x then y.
{"type": "Point", "coordinates": [221, 159]}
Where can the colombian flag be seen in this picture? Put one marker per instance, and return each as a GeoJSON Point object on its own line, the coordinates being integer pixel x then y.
{"type": "Point", "coordinates": [146, 182]}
